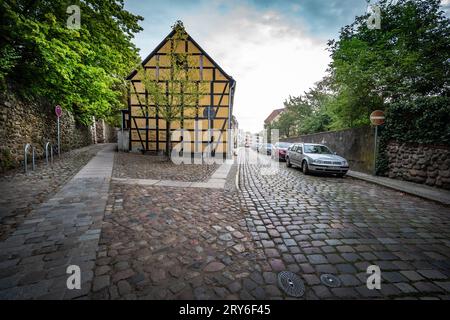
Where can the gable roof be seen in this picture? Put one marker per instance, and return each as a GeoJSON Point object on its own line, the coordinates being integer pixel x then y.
{"type": "Point", "coordinates": [144, 62]}
{"type": "Point", "coordinates": [273, 115]}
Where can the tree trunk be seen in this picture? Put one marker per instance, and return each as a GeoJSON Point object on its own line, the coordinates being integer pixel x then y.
{"type": "Point", "coordinates": [168, 140]}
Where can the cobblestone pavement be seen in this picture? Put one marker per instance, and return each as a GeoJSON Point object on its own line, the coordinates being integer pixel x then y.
{"type": "Point", "coordinates": [165, 242]}
{"type": "Point", "coordinates": [313, 225]}
{"type": "Point", "coordinates": [62, 231]}
{"type": "Point", "coordinates": [138, 166]}
{"type": "Point", "coordinates": [173, 243]}
{"type": "Point", "coordinates": [20, 193]}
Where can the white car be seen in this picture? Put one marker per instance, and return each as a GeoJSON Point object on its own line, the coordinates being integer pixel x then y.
{"type": "Point", "coordinates": [316, 158]}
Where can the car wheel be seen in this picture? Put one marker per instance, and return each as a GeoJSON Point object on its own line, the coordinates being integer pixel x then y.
{"type": "Point", "coordinates": [305, 168]}
{"type": "Point", "coordinates": [288, 163]}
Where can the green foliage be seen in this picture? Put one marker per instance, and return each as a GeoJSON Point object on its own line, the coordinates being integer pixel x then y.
{"type": "Point", "coordinates": [424, 120]}
{"type": "Point", "coordinates": [306, 113]}
{"type": "Point", "coordinates": [399, 66]}
{"type": "Point", "coordinates": [407, 58]}
{"type": "Point", "coordinates": [8, 59]}
{"type": "Point", "coordinates": [83, 69]}
{"type": "Point", "coordinates": [6, 159]}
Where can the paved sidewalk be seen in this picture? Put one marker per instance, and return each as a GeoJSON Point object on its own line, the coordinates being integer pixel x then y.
{"type": "Point", "coordinates": [423, 191]}
{"type": "Point", "coordinates": [63, 231]}
{"type": "Point", "coordinates": [21, 193]}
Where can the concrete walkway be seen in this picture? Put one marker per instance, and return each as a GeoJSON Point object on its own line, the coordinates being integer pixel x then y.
{"type": "Point", "coordinates": [63, 231]}
{"type": "Point", "coordinates": [422, 191]}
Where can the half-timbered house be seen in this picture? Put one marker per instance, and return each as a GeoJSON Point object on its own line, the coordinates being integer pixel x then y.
{"type": "Point", "coordinates": [209, 118]}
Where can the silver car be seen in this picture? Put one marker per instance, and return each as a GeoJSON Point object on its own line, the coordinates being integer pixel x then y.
{"type": "Point", "coordinates": [316, 158]}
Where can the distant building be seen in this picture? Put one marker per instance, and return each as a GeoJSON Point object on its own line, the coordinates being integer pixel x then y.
{"type": "Point", "coordinates": [274, 116]}
{"type": "Point", "coordinates": [234, 123]}
{"type": "Point", "coordinates": [235, 131]}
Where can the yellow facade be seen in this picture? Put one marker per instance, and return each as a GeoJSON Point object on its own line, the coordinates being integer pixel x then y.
{"type": "Point", "coordinates": [148, 129]}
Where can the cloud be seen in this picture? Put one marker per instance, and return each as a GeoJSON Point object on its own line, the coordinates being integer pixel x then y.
{"type": "Point", "coordinates": [272, 48]}
{"type": "Point", "coordinates": [445, 4]}
{"type": "Point", "coordinates": [270, 57]}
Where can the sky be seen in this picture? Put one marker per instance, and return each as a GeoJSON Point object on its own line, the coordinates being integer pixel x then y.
{"type": "Point", "coordinates": [272, 48]}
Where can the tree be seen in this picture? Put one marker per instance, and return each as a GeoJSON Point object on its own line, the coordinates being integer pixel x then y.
{"type": "Point", "coordinates": [307, 113]}
{"type": "Point", "coordinates": [406, 59]}
{"type": "Point", "coordinates": [83, 69]}
{"type": "Point", "coordinates": [178, 93]}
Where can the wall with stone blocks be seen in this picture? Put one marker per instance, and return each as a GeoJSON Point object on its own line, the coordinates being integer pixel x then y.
{"type": "Point", "coordinates": [419, 163]}
{"type": "Point", "coordinates": [35, 123]}
{"type": "Point", "coordinates": [104, 132]}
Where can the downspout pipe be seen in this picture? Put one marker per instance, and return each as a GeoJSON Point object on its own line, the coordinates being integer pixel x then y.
{"type": "Point", "coordinates": [230, 114]}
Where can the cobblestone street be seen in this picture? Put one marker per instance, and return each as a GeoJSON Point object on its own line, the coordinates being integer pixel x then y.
{"type": "Point", "coordinates": [225, 159]}
{"type": "Point", "coordinates": [172, 243]}
{"type": "Point", "coordinates": [137, 166]}
{"type": "Point", "coordinates": [313, 225]}
{"type": "Point", "coordinates": [143, 241]}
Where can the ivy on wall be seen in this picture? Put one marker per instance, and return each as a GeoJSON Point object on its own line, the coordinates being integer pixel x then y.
{"type": "Point", "coordinates": [82, 69]}
{"type": "Point", "coordinates": [425, 120]}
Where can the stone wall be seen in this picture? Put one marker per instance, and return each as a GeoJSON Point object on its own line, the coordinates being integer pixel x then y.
{"type": "Point", "coordinates": [35, 123]}
{"type": "Point", "coordinates": [105, 133]}
{"type": "Point", "coordinates": [419, 163]}
{"type": "Point", "coordinates": [356, 145]}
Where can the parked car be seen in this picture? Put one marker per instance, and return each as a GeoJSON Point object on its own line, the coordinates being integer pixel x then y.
{"type": "Point", "coordinates": [279, 150]}
{"type": "Point", "coordinates": [316, 158]}
{"type": "Point", "coordinates": [266, 148]}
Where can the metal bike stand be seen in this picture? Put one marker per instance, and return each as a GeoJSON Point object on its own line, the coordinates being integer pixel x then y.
{"type": "Point", "coordinates": [48, 144]}
{"type": "Point", "coordinates": [28, 146]}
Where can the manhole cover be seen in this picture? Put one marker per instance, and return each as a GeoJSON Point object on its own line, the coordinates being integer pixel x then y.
{"type": "Point", "coordinates": [291, 284]}
{"type": "Point", "coordinates": [330, 280]}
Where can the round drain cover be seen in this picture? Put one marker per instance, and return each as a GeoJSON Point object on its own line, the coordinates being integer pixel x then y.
{"type": "Point", "coordinates": [291, 284]}
{"type": "Point", "coordinates": [330, 280]}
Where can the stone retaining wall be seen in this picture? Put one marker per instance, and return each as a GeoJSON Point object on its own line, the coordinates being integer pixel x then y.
{"type": "Point", "coordinates": [34, 123]}
{"type": "Point", "coordinates": [419, 163]}
{"type": "Point", "coordinates": [105, 132]}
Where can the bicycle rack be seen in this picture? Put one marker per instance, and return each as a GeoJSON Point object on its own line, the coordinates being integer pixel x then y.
{"type": "Point", "coordinates": [48, 144]}
{"type": "Point", "coordinates": [28, 146]}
